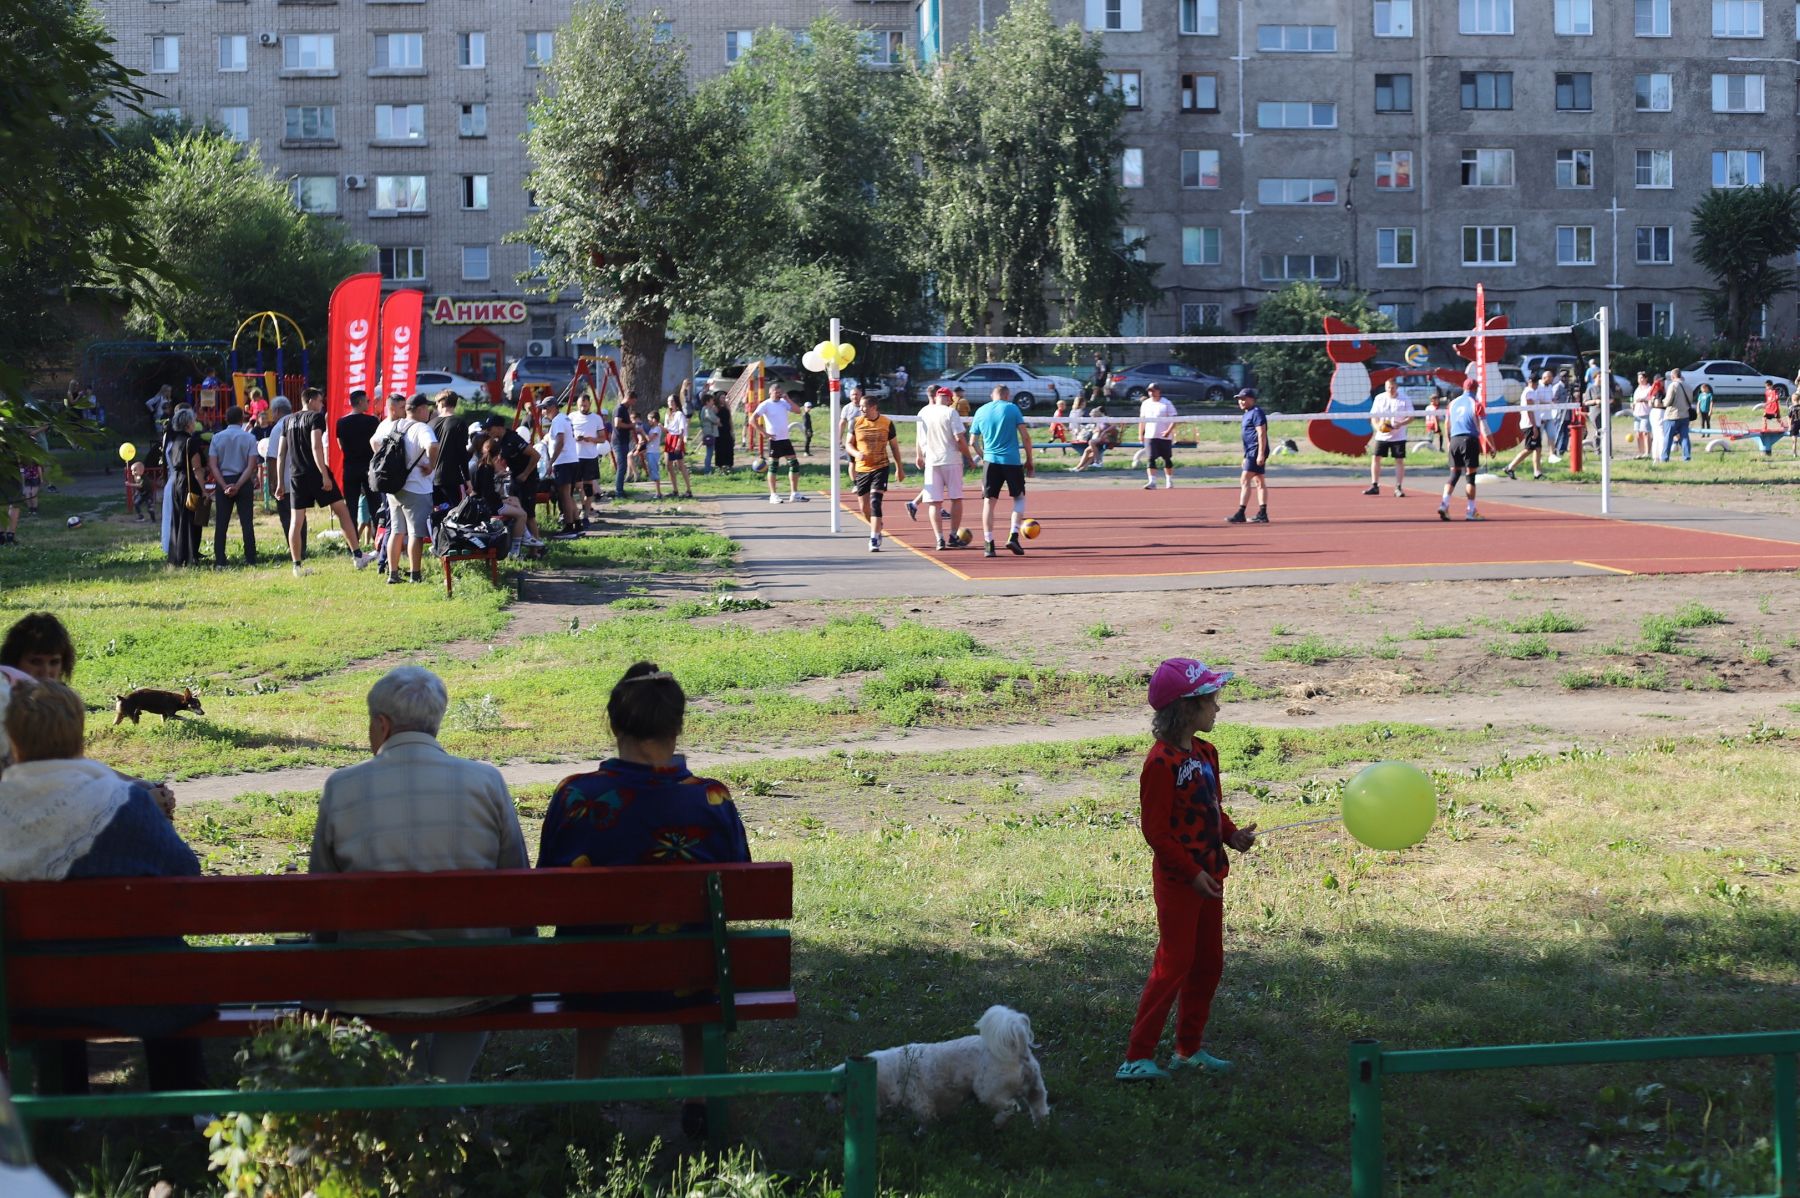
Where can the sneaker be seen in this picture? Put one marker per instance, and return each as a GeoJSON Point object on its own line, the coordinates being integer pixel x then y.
{"type": "Point", "coordinates": [874, 544]}
{"type": "Point", "coordinates": [1399, 492]}
{"type": "Point", "coordinates": [300, 571]}
{"type": "Point", "coordinates": [1141, 1071]}
{"type": "Point", "coordinates": [796, 497]}
{"type": "Point", "coordinates": [1201, 1060]}
{"type": "Point", "coordinates": [1509, 473]}
{"type": "Point", "coordinates": [942, 545]}
{"type": "Point", "coordinates": [393, 578]}
{"type": "Point", "coordinates": [564, 536]}
{"type": "Point", "coordinates": [1261, 517]}
{"type": "Point", "coordinates": [1372, 490]}
{"type": "Point", "coordinates": [774, 498]}
{"type": "Point", "coordinates": [1537, 476]}
{"type": "Point", "coordinates": [1168, 483]}
{"type": "Point", "coordinates": [1150, 486]}
{"type": "Point", "coordinates": [1012, 543]}
{"type": "Point", "coordinates": [1444, 513]}
{"type": "Point", "coordinates": [989, 551]}
{"type": "Point", "coordinates": [362, 560]}
{"type": "Point", "coordinates": [912, 512]}
{"type": "Point", "coordinates": [1474, 516]}
{"type": "Point", "coordinates": [1554, 459]}
{"type": "Point", "coordinates": [1237, 517]}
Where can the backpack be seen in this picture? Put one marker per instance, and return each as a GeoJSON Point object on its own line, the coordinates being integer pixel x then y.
{"type": "Point", "coordinates": [389, 469]}
{"type": "Point", "coordinates": [470, 527]}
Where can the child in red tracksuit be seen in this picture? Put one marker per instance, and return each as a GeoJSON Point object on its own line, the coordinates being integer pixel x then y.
{"type": "Point", "coordinates": [1188, 831]}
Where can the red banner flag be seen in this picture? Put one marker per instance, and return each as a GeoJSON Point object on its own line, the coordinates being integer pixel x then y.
{"type": "Point", "coordinates": [355, 305]}
{"type": "Point", "coordinates": [400, 320]}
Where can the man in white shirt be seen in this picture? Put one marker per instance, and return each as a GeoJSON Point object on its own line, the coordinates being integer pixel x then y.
{"type": "Point", "coordinates": [1391, 412]}
{"type": "Point", "coordinates": [565, 464]}
{"type": "Point", "coordinates": [1156, 428]}
{"type": "Point", "coordinates": [774, 417]}
{"type": "Point", "coordinates": [409, 509]}
{"type": "Point", "coordinates": [942, 451]}
{"type": "Point", "coordinates": [589, 427]}
{"type": "Point", "coordinates": [1532, 424]}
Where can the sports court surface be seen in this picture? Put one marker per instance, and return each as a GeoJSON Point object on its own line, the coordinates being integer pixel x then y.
{"type": "Point", "coordinates": [1119, 537]}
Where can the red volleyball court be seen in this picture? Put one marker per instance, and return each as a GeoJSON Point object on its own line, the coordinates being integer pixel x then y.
{"type": "Point", "coordinates": [1133, 533]}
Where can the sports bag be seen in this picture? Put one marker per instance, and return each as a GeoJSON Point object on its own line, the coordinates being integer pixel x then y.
{"type": "Point", "coordinates": [389, 469]}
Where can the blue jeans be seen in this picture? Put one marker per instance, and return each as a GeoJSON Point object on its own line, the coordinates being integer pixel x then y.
{"type": "Point", "coordinates": [706, 468]}
{"type": "Point", "coordinates": [1678, 431]}
{"type": "Point", "coordinates": [620, 459]}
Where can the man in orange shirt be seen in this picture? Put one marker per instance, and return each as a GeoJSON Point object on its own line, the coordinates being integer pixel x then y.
{"type": "Point", "coordinates": [874, 454]}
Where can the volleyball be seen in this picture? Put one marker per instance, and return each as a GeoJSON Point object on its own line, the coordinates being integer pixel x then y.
{"type": "Point", "coordinates": [1417, 355]}
{"type": "Point", "coordinates": [963, 536]}
{"type": "Point", "coordinates": [758, 466]}
{"type": "Point", "coordinates": [1031, 529]}
{"type": "Point", "coordinates": [74, 521]}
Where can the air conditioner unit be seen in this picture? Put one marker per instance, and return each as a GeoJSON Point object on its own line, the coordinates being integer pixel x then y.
{"type": "Point", "coordinates": [268, 39]}
{"type": "Point", "coordinates": [355, 182]}
{"type": "Point", "coordinates": [537, 349]}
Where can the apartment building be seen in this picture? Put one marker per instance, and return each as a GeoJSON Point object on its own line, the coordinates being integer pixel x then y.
{"type": "Point", "coordinates": [405, 119]}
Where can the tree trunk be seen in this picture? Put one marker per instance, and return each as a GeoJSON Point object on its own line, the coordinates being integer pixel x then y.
{"type": "Point", "coordinates": [642, 344]}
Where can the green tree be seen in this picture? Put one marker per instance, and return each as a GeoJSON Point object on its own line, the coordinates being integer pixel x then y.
{"type": "Point", "coordinates": [823, 128]}
{"type": "Point", "coordinates": [1019, 146]}
{"type": "Point", "coordinates": [1451, 317]}
{"type": "Point", "coordinates": [648, 199]}
{"type": "Point", "coordinates": [1740, 235]}
{"type": "Point", "coordinates": [233, 243]}
{"type": "Point", "coordinates": [1299, 375]}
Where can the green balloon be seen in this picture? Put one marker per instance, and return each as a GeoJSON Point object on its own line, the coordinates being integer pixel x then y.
{"type": "Point", "coordinates": [1390, 805]}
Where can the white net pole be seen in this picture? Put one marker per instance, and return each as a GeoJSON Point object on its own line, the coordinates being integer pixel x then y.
{"type": "Point", "coordinates": [836, 386]}
{"type": "Point", "coordinates": [1606, 440]}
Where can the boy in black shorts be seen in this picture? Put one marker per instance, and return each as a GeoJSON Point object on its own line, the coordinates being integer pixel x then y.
{"type": "Point", "coordinates": [874, 455]}
{"type": "Point", "coordinates": [1465, 448]}
{"type": "Point", "coordinates": [1255, 436]}
{"type": "Point", "coordinates": [305, 479]}
{"type": "Point", "coordinates": [776, 415]}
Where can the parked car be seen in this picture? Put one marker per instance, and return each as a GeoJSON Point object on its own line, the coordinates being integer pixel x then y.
{"type": "Point", "coordinates": [1420, 385]}
{"type": "Point", "coordinates": [557, 372]}
{"type": "Point", "coordinates": [467, 390]}
{"type": "Point", "coordinates": [1533, 365]}
{"type": "Point", "coordinates": [1178, 382]}
{"type": "Point", "coordinates": [875, 388]}
{"type": "Point", "coordinates": [1029, 388]}
{"type": "Point", "coordinates": [1732, 379]}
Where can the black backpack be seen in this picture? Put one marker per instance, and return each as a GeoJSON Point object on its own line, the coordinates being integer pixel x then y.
{"type": "Point", "coordinates": [389, 469]}
{"type": "Point", "coordinates": [470, 527]}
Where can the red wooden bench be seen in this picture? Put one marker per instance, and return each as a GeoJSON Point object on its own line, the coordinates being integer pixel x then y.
{"type": "Point", "coordinates": [490, 555]}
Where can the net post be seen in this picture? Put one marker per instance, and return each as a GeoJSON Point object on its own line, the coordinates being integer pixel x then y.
{"type": "Point", "coordinates": [1604, 316]}
{"type": "Point", "coordinates": [1366, 1164]}
{"type": "Point", "coordinates": [832, 382]}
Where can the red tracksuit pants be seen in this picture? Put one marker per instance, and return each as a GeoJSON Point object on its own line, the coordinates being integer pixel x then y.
{"type": "Point", "coordinates": [1190, 956]}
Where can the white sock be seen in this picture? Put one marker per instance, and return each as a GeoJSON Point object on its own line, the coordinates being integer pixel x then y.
{"type": "Point", "coordinates": [1471, 508]}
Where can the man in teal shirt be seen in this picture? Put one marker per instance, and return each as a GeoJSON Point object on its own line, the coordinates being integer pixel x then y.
{"type": "Point", "coordinates": [999, 429]}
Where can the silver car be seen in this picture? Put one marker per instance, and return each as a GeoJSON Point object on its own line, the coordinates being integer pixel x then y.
{"type": "Point", "coordinates": [1029, 388]}
{"type": "Point", "coordinates": [1732, 379]}
{"type": "Point", "coordinates": [1177, 382]}
{"type": "Point", "coordinates": [467, 390]}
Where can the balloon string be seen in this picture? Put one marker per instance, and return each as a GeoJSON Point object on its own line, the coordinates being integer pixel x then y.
{"type": "Point", "coordinates": [1302, 824]}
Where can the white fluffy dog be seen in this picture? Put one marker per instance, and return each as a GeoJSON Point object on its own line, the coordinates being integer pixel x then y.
{"type": "Point", "coordinates": [995, 1066]}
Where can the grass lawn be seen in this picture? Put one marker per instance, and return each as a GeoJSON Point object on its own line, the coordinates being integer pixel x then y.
{"type": "Point", "coordinates": [1648, 891]}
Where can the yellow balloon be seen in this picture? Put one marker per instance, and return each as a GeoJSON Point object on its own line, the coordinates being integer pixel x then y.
{"type": "Point", "coordinates": [127, 452]}
{"type": "Point", "coordinates": [1390, 805]}
{"type": "Point", "coordinates": [826, 350]}
{"type": "Point", "coordinates": [846, 354]}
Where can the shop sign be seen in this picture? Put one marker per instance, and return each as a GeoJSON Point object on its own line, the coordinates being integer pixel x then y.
{"type": "Point", "coordinates": [454, 311]}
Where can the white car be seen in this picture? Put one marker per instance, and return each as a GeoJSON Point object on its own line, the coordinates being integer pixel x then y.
{"type": "Point", "coordinates": [876, 389]}
{"type": "Point", "coordinates": [1029, 388]}
{"type": "Point", "coordinates": [1731, 379]}
{"type": "Point", "coordinates": [467, 390]}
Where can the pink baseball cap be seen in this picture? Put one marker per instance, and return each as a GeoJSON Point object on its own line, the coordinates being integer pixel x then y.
{"type": "Point", "coordinates": [1183, 678]}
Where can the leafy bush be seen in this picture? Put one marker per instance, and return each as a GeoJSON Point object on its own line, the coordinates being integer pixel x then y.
{"type": "Point", "coordinates": [735, 1174]}
{"type": "Point", "coordinates": [1297, 377]}
{"type": "Point", "coordinates": [340, 1154]}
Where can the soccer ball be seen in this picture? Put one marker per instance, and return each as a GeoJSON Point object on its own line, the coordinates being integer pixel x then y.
{"type": "Point", "coordinates": [1031, 529]}
{"type": "Point", "coordinates": [758, 466]}
{"type": "Point", "coordinates": [74, 521]}
{"type": "Point", "coordinates": [964, 535]}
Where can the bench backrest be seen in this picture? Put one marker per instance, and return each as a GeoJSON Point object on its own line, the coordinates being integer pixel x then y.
{"type": "Point", "coordinates": [61, 941]}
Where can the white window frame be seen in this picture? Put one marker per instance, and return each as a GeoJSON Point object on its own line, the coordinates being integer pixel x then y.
{"type": "Point", "coordinates": [473, 122]}
{"type": "Point", "coordinates": [1495, 245]}
{"type": "Point", "coordinates": [1128, 85]}
{"type": "Point", "coordinates": [402, 193]}
{"type": "Point", "coordinates": [1660, 86]}
{"type": "Point", "coordinates": [1387, 162]}
{"type": "Point", "coordinates": [1198, 18]}
{"type": "Point", "coordinates": [394, 122]}
{"type": "Point", "coordinates": [165, 54]}
{"type": "Point", "coordinates": [1131, 167]}
{"type": "Point", "coordinates": [1295, 192]}
{"type": "Point", "coordinates": [1575, 18]}
{"type": "Point", "coordinates": [1650, 18]}
{"type": "Point", "coordinates": [1393, 18]}
{"type": "Point", "coordinates": [487, 264]}
{"type": "Point", "coordinates": [1570, 311]}
{"type": "Point", "coordinates": [474, 193]}
{"type": "Point", "coordinates": [1737, 19]}
{"type": "Point", "coordinates": [1493, 167]}
{"type": "Point", "coordinates": [540, 47]}
{"type": "Point", "coordinates": [303, 185]}
{"type": "Point", "coordinates": [414, 264]}
{"type": "Point", "coordinates": [1135, 239]}
{"type": "Point", "coordinates": [235, 120]}
{"type": "Point", "coordinates": [1753, 89]}
{"type": "Point", "coordinates": [1667, 239]}
{"type": "Point", "coordinates": [411, 56]}
{"type": "Point", "coordinates": [1485, 18]}
{"type": "Point", "coordinates": [1296, 114]}
{"type": "Point", "coordinates": [1577, 162]}
{"type": "Point", "coordinates": [1745, 159]}
{"type": "Point", "coordinates": [738, 42]}
{"type": "Point", "coordinates": [1643, 159]}
{"type": "Point", "coordinates": [471, 50]}
{"type": "Point", "coordinates": [1397, 248]}
{"type": "Point", "coordinates": [325, 120]}
{"type": "Point", "coordinates": [881, 47]}
{"type": "Point", "coordinates": [309, 52]}
{"type": "Point", "coordinates": [1570, 241]}
{"type": "Point", "coordinates": [1204, 243]}
{"type": "Point", "coordinates": [1296, 39]}
{"type": "Point", "coordinates": [234, 52]}
{"type": "Point", "coordinates": [1199, 171]}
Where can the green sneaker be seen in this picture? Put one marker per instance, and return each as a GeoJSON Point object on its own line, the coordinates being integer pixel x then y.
{"type": "Point", "coordinates": [1201, 1060]}
{"type": "Point", "coordinates": [1141, 1071]}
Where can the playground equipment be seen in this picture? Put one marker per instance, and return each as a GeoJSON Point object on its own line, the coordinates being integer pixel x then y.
{"type": "Point", "coordinates": [274, 381]}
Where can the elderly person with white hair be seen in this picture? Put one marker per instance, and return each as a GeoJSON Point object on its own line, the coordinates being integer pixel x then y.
{"type": "Point", "coordinates": [414, 807]}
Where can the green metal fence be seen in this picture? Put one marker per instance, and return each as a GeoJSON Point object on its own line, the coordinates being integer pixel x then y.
{"type": "Point", "coordinates": [1369, 1063]}
{"type": "Point", "coordinates": [855, 1081]}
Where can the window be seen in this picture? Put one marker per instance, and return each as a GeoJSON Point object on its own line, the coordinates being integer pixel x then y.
{"type": "Point", "coordinates": [1737, 93]}
{"type": "Point", "coordinates": [1574, 91]}
{"type": "Point", "coordinates": [1574, 168]}
{"type": "Point", "coordinates": [400, 122]}
{"type": "Point", "coordinates": [403, 263]}
{"type": "Point", "coordinates": [1201, 316]}
{"type": "Point", "coordinates": [1131, 167]}
{"type": "Point", "coordinates": [1199, 169]}
{"type": "Point", "coordinates": [1295, 114]}
{"type": "Point", "coordinates": [1572, 311]}
{"type": "Point", "coordinates": [1575, 18]}
{"type": "Point", "coordinates": [234, 52]}
{"type": "Point", "coordinates": [1574, 245]}
{"type": "Point", "coordinates": [1656, 244]}
{"type": "Point", "coordinates": [540, 48]}
{"type": "Point", "coordinates": [1393, 93]}
{"type": "Point", "coordinates": [1654, 93]}
{"type": "Point", "coordinates": [471, 50]}
{"type": "Point", "coordinates": [309, 52]}
{"type": "Point", "coordinates": [475, 262]}
{"type": "Point", "coordinates": [1737, 18]}
{"type": "Point", "coordinates": [1488, 245]}
{"type": "Point", "coordinates": [1128, 86]}
{"type": "Point", "coordinates": [1487, 89]}
{"type": "Point", "coordinates": [1287, 268]}
{"type": "Point", "coordinates": [165, 55]}
{"type": "Point", "coordinates": [475, 193]}
{"type": "Point", "coordinates": [1296, 39]}
{"type": "Point", "coordinates": [316, 193]}
{"type": "Point", "coordinates": [1406, 316]}
{"type": "Point", "coordinates": [399, 51]}
{"type": "Point", "coordinates": [663, 34]}
{"type": "Point", "coordinates": [236, 123]}
{"type": "Point", "coordinates": [1737, 168]}
{"type": "Point", "coordinates": [1199, 247]}
{"type": "Point", "coordinates": [1393, 18]}
{"type": "Point", "coordinates": [534, 261]}
{"type": "Point", "coordinates": [1656, 320]}
{"type": "Point", "coordinates": [312, 122]}
{"type": "Point", "coordinates": [1485, 16]}
{"type": "Point", "coordinates": [737, 43]}
{"type": "Point", "coordinates": [1132, 238]}
{"type": "Point", "coordinates": [1487, 168]}
{"type": "Point", "coordinates": [1200, 18]}
{"type": "Point", "coordinates": [1655, 168]}
{"type": "Point", "coordinates": [472, 121]}
{"type": "Point", "coordinates": [1115, 16]}
{"type": "Point", "coordinates": [1653, 18]}
{"type": "Point", "coordinates": [882, 48]}
{"type": "Point", "coordinates": [400, 193]}
{"type": "Point", "coordinates": [1296, 191]}
{"type": "Point", "coordinates": [166, 114]}
{"type": "Point", "coordinates": [1396, 247]}
{"type": "Point", "coordinates": [1394, 170]}
{"type": "Point", "coordinates": [1199, 93]}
